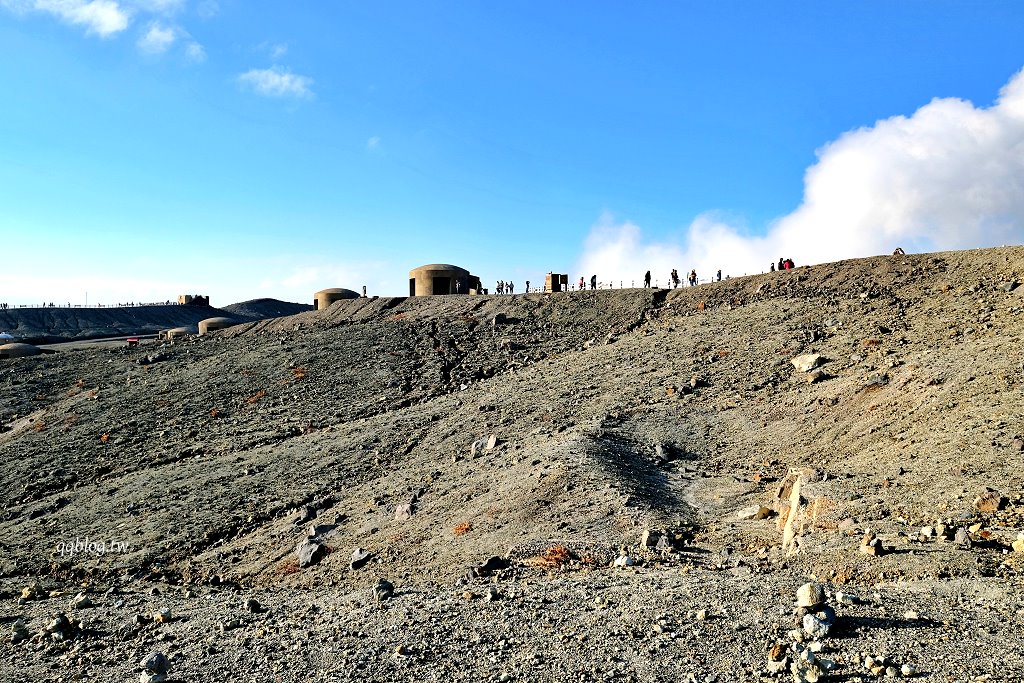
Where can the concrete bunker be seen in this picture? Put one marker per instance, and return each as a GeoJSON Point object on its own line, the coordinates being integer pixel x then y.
{"type": "Point", "coordinates": [214, 324]}
{"type": "Point", "coordinates": [325, 297]}
{"type": "Point", "coordinates": [177, 332]}
{"type": "Point", "coordinates": [19, 350]}
{"type": "Point", "coordinates": [442, 278]}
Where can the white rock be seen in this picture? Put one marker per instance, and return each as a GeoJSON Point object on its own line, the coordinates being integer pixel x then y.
{"type": "Point", "coordinates": [807, 361]}
{"type": "Point", "coordinates": [623, 561]}
{"type": "Point", "coordinates": [846, 598]}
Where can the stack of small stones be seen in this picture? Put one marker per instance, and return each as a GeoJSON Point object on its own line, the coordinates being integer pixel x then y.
{"type": "Point", "coordinates": [803, 654]}
{"type": "Point", "coordinates": [19, 632]}
{"type": "Point", "coordinates": [871, 545]}
{"type": "Point", "coordinates": [941, 532]}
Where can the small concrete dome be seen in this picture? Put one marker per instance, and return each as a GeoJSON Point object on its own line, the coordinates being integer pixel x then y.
{"type": "Point", "coordinates": [18, 350]}
{"type": "Point", "coordinates": [325, 297]}
{"type": "Point", "coordinates": [213, 324]}
{"type": "Point", "coordinates": [176, 332]}
{"type": "Point", "coordinates": [441, 278]}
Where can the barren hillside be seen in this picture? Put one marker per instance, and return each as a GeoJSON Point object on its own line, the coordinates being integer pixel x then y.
{"type": "Point", "coordinates": [665, 427]}
{"type": "Point", "coordinates": [60, 324]}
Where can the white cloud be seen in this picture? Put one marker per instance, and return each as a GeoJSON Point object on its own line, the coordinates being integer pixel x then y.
{"type": "Point", "coordinates": [278, 50]}
{"type": "Point", "coordinates": [373, 142]}
{"type": "Point", "coordinates": [195, 53]}
{"type": "Point", "coordinates": [951, 176]}
{"type": "Point", "coordinates": [277, 82]}
{"type": "Point", "coordinates": [102, 17]}
{"type": "Point", "coordinates": [159, 6]}
{"type": "Point", "coordinates": [207, 9]}
{"type": "Point", "coordinates": [157, 39]}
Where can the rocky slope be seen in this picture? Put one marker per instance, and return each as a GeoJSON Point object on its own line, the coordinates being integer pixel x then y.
{"type": "Point", "coordinates": [494, 458]}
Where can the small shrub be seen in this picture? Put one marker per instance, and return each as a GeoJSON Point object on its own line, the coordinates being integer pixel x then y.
{"type": "Point", "coordinates": [462, 528]}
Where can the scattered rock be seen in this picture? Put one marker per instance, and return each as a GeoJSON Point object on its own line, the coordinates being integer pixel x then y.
{"type": "Point", "coordinates": [163, 616]}
{"type": "Point", "coordinates": [403, 512]}
{"type": "Point", "coordinates": [492, 565]}
{"type": "Point", "coordinates": [19, 631]}
{"type": "Point", "coordinates": [1018, 544]}
{"type": "Point", "coordinates": [990, 501]}
{"type": "Point", "coordinates": [318, 530]}
{"type": "Point", "coordinates": [623, 560]}
{"type": "Point", "coordinates": [81, 601]}
{"type": "Point", "coordinates": [154, 668]}
{"type": "Point", "coordinates": [754, 512]}
{"type": "Point", "coordinates": [807, 361]}
{"type": "Point", "coordinates": [310, 552]}
{"type": "Point", "coordinates": [32, 592]}
{"type": "Point", "coordinates": [383, 590]}
{"type": "Point", "coordinates": [649, 538]}
{"type": "Point", "coordinates": [306, 514]}
{"type": "Point", "coordinates": [846, 598]}
{"type": "Point", "coordinates": [359, 558]}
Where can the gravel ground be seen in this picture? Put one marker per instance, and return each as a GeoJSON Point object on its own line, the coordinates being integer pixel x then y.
{"type": "Point", "coordinates": [494, 459]}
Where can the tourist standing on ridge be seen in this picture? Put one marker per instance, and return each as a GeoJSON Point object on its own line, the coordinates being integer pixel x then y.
{"type": "Point", "coordinates": [593, 282]}
{"type": "Point", "coordinates": [718, 275]}
{"type": "Point", "coordinates": [647, 279]}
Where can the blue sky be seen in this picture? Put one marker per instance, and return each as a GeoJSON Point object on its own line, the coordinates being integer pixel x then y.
{"type": "Point", "coordinates": [156, 147]}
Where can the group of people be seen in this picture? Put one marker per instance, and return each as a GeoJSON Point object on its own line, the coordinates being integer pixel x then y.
{"type": "Point", "coordinates": [784, 264]}
{"type": "Point", "coordinates": [674, 278]}
{"type": "Point", "coordinates": [507, 287]}
{"type": "Point", "coordinates": [4, 307]}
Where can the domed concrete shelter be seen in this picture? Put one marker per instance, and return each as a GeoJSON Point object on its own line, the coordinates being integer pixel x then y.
{"type": "Point", "coordinates": [442, 278]}
{"type": "Point", "coordinates": [325, 297]}
{"type": "Point", "coordinates": [19, 350]}
{"type": "Point", "coordinates": [177, 332]}
{"type": "Point", "coordinates": [214, 324]}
